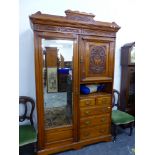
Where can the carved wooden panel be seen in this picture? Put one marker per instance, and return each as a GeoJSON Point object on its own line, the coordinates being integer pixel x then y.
{"type": "Point", "coordinates": [95, 59]}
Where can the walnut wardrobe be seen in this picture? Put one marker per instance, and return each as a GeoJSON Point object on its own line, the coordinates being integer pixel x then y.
{"type": "Point", "coordinates": [72, 52]}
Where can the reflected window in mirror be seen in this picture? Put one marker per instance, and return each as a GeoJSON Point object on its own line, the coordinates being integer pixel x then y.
{"type": "Point", "coordinates": [57, 81]}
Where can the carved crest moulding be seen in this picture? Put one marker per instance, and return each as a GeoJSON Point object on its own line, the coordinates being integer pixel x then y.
{"type": "Point", "coordinates": [56, 29]}
{"type": "Point", "coordinates": [49, 28]}
{"type": "Point", "coordinates": [81, 16]}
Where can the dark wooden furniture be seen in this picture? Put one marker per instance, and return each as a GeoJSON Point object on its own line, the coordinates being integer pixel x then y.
{"type": "Point", "coordinates": [63, 74]}
{"type": "Point", "coordinates": [127, 92]}
{"type": "Point", "coordinates": [92, 63]}
{"type": "Point", "coordinates": [62, 82]}
{"type": "Point", "coordinates": [51, 57]}
{"type": "Point", "coordinates": [27, 133]}
{"type": "Point", "coordinates": [120, 118]}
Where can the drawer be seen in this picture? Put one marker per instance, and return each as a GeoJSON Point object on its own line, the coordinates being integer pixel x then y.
{"type": "Point", "coordinates": [56, 135]}
{"type": "Point", "coordinates": [104, 101]}
{"type": "Point", "coordinates": [87, 102]}
{"type": "Point", "coordinates": [96, 110]}
{"type": "Point", "coordinates": [87, 133]}
{"type": "Point", "coordinates": [95, 120]}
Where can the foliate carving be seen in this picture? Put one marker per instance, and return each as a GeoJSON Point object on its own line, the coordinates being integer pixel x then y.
{"type": "Point", "coordinates": [80, 16]}
{"type": "Point", "coordinates": [97, 59]}
{"type": "Point", "coordinates": [56, 29]}
{"type": "Point", "coordinates": [66, 29]}
{"type": "Point", "coordinates": [99, 33]}
{"type": "Point", "coordinates": [45, 28]}
{"type": "Point", "coordinates": [52, 28]}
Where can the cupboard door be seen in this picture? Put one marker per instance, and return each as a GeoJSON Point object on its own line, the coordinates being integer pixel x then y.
{"type": "Point", "coordinates": [95, 58]}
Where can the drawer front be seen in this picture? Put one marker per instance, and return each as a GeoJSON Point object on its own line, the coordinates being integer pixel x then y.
{"type": "Point", "coordinates": [104, 101]}
{"type": "Point", "coordinates": [93, 132]}
{"type": "Point", "coordinates": [58, 135]}
{"type": "Point", "coordinates": [87, 102]}
{"type": "Point", "coordinates": [95, 120]}
{"type": "Point", "coordinates": [85, 112]}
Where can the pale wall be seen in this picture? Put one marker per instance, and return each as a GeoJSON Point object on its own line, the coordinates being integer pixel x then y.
{"type": "Point", "coordinates": [122, 12]}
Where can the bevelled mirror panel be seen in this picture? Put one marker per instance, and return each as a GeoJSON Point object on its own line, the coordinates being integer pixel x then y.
{"type": "Point", "coordinates": [57, 82]}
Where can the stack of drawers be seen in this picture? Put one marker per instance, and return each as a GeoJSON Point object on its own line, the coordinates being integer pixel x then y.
{"type": "Point", "coordinates": [95, 116]}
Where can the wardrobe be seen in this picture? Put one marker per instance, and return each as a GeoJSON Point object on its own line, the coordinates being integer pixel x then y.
{"type": "Point", "coordinates": [74, 92]}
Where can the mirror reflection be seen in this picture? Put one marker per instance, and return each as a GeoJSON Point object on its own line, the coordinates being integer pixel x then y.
{"type": "Point", "coordinates": [57, 81]}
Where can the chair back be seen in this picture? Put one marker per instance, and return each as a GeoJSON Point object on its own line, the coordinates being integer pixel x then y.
{"type": "Point", "coordinates": [25, 100]}
{"type": "Point", "coordinates": [116, 98]}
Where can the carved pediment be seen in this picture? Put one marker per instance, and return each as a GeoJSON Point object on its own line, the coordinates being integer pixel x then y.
{"type": "Point", "coordinates": [73, 19]}
{"type": "Point", "coordinates": [81, 16]}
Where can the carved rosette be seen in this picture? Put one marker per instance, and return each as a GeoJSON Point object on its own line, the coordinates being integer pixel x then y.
{"type": "Point", "coordinates": [97, 59]}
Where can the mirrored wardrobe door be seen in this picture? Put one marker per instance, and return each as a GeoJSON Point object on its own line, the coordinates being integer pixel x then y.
{"type": "Point", "coordinates": [57, 82]}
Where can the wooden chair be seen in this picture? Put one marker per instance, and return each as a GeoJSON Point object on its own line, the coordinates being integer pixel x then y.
{"type": "Point", "coordinates": [27, 133]}
{"type": "Point", "coordinates": [119, 117]}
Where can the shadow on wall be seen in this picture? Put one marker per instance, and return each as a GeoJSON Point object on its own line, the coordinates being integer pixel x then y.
{"type": "Point", "coordinates": [27, 67]}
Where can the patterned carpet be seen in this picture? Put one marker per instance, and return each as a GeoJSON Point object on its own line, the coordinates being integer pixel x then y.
{"type": "Point", "coordinates": [56, 116]}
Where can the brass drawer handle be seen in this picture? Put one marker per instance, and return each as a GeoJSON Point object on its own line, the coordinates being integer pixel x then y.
{"type": "Point", "coordinates": [87, 122]}
{"type": "Point", "coordinates": [87, 102]}
{"type": "Point", "coordinates": [87, 112]}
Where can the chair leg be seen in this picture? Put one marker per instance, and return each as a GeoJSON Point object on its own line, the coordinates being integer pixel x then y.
{"type": "Point", "coordinates": [131, 128]}
{"type": "Point", "coordinates": [35, 148]}
{"type": "Point", "coordinates": [115, 133]}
